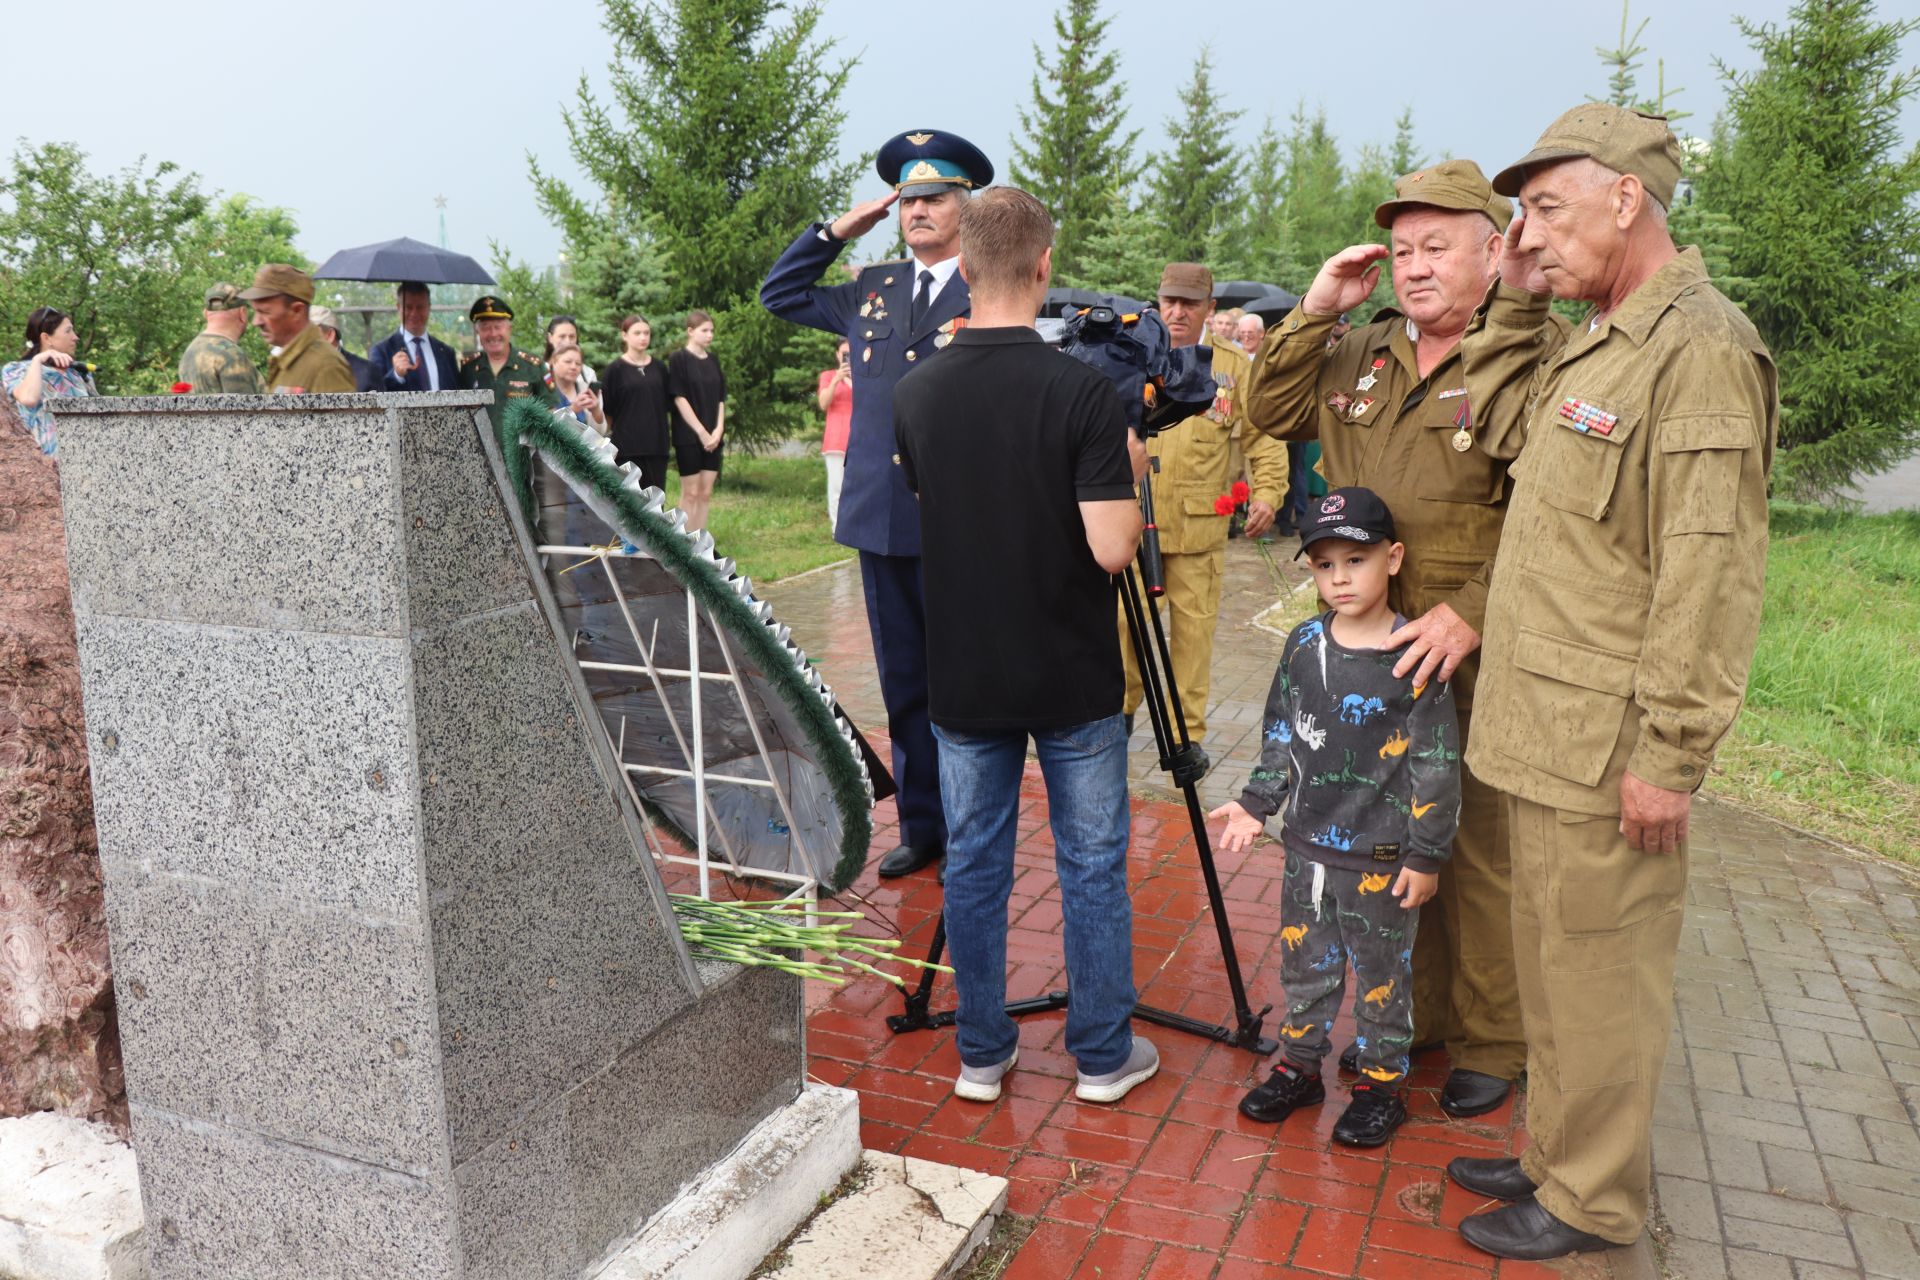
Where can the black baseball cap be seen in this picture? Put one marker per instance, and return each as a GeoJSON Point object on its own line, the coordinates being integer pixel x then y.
{"type": "Point", "coordinates": [1355, 514]}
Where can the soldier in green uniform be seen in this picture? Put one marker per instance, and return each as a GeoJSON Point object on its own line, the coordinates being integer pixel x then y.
{"type": "Point", "coordinates": [214, 362]}
{"type": "Point", "coordinates": [1619, 632]}
{"type": "Point", "coordinates": [497, 366]}
{"type": "Point", "coordinates": [302, 360]}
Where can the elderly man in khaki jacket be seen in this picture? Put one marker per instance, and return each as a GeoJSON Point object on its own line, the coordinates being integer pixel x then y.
{"type": "Point", "coordinates": [1619, 631]}
{"type": "Point", "coordinates": [1426, 406]}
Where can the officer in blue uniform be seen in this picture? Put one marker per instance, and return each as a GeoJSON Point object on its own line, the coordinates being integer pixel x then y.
{"type": "Point", "coordinates": [894, 315]}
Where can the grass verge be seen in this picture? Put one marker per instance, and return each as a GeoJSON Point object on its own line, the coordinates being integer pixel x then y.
{"type": "Point", "coordinates": [770, 515]}
{"type": "Point", "coordinates": [1829, 739]}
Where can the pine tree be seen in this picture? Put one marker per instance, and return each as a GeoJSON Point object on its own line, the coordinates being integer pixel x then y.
{"type": "Point", "coordinates": [1258, 243]}
{"type": "Point", "coordinates": [1123, 252]}
{"type": "Point", "coordinates": [1075, 154]}
{"type": "Point", "coordinates": [1824, 232]}
{"type": "Point", "coordinates": [715, 150]}
{"type": "Point", "coordinates": [1195, 182]}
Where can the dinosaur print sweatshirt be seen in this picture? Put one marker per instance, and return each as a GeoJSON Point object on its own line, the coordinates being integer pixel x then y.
{"type": "Point", "coordinates": [1363, 768]}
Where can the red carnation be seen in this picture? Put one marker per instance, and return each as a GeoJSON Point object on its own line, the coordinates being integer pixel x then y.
{"type": "Point", "coordinates": [1224, 505]}
{"type": "Point", "coordinates": [1239, 491]}
{"type": "Point", "coordinates": [182, 388]}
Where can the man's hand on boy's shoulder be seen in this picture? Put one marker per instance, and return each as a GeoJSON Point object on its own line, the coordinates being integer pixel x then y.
{"type": "Point", "coordinates": [1438, 638]}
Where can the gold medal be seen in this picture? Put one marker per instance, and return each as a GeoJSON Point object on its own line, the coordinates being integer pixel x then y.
{"type": "Point", "coordinates": [1462, 440]}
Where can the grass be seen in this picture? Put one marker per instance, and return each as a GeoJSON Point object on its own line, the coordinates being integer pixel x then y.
{"type": "Point", "coordinates": [1829, 739]}
{"type": "Point", "coordinates": [770, 515]}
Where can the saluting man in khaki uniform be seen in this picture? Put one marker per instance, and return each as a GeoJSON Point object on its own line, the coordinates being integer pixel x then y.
{"type": "Point", "coordinates": [1196, 468]}
{"type": "Point", "coordinates": [1426, 406]}
{"type": "Point", "coordinates": [1619, 632]}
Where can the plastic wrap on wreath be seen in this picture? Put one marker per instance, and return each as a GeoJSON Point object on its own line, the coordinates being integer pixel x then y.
{"type": "Point", "coordinates": [627, 612]}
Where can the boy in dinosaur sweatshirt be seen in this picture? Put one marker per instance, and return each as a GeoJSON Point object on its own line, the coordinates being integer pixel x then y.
{"type": "Point", "coordinates": [1364, 769]}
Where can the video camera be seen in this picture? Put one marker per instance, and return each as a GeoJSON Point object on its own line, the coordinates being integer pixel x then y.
{"type": "Point", "coordinates": [1159, 384]}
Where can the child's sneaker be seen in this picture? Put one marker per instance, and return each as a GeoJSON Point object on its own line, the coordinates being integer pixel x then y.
{"type": "Point", "coordinates": [1287, 1088]}
{"type": "Point", "coordinates": [982, 1084]}
{"type": "Point", "coordinates": [1111, 1086]}
{"type": "Point", "coordinates": [1371, 1118]}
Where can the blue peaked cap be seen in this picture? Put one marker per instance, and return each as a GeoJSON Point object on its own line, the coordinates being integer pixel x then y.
{"type": "Point", "coordinates": [924, 162]}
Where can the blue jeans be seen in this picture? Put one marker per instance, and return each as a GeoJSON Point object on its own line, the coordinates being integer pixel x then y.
{"type": "Point", "coordinates": [1086, 772]}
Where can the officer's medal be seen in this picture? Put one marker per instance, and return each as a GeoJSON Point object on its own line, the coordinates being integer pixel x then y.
{"type": "Point", "coordinates": [1373, 375]}
{"type": "Point", "coordinates": [1463, 438]}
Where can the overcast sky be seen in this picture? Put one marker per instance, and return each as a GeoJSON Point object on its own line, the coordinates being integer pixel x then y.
{"type": "Point", "coordinates": [356, 115]}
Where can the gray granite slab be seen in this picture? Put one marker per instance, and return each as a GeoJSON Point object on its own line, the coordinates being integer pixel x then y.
{"type": "Point", "coordinates": [228, 1205]}
{"type": "Point", "coordinates": [516, 1204]}
{"type": "Point", "coordinates": [460, 549]}
{"type": "Point", "coordinates": [276, 761]}
{"type": "Point", "coordinates": [316, 1028]}
{"type": "Point", "coordinates": [663, 1112]}
{"type": "Point", "coordinates": [269, 520]}
{"type": "Point", "coordinates": [551, 955]}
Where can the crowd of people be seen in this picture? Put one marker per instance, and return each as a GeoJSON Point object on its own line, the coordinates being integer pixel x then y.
{"type": "Point", "coordinates": [1539, 569]}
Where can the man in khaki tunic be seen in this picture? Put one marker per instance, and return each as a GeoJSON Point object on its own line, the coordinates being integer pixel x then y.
{"type": "Point", "coordinates": [1196, 468]}
{"type": "Point", "coordinates": [1426, 406]}
{"type": "Point", "coordinates": [1619, 631]}
{"type": "Point", "coordinates": [300, 359]}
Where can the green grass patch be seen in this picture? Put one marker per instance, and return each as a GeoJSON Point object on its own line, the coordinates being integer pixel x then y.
{"type": "Point", "coordinates": [770, 515]}
{"type": "Point", "coordinates": [1829, 738]}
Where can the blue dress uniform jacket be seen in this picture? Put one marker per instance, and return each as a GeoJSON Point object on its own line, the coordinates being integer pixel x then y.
{"type": "Point", "coordinates": [877, 511]}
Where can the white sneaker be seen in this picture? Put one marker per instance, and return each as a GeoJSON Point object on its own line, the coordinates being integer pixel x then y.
{"type": "Point", "coordinates": [1141, 1064]}
{"type": "Point", "coordinates": [982, 1084]}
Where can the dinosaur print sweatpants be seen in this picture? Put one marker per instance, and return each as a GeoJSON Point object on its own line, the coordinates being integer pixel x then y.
{"type": "Point", "coordinates": [1332, 917]}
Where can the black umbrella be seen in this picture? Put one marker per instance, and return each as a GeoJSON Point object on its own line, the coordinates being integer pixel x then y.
{"type": "Point", "coordinates": [1062, 302]}
{"type": "Point", "coordinates": [1271, 307]}
{"type": "Point", "coordinates": [1236, 293]}
{"type": "Point", "coordinates": [400, 260]}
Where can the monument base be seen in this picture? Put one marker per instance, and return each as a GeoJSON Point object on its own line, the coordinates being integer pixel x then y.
{"type": "Point", "coordinates": [69, 1202]}
{"type": "Point", "coordinates": [724, 1224]}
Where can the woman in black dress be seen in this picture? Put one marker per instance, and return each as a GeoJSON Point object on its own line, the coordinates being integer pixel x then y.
{"type": "Point", "coordinates": [700, 400]}
{"type": "Point", "coordinates": [634, 393]}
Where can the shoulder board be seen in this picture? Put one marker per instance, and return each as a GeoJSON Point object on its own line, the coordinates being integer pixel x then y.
{"type": "Point", "coordinates": [471, 358]}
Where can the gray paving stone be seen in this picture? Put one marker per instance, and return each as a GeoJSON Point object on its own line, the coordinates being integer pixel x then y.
{"type": "Point", "coordinates": [1792, 1242]}
{"type": "Point", "coordinates": [1767, 1078]}
{"type": "Point", "coordinates": [1885, 1248]}
{"type": "Point", "coordinates": [1796, 1172]}
{"type": "Point", "coordinates": [1694, 1259]}
{"type": "Point", "coordinates": [1688, 1207]}
{"type": "Point", "coordinates": [1680, 1152]}
{"type": "Point", "coordinates": [1781, 1211]}
{"type": "Point", "coordinates": [1746, 1264]}
{"type": "Point", "coordinates": [1735, 1162]}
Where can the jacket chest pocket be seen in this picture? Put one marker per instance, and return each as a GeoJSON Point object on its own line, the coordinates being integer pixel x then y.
{"type": "Point", "coordinates": [1582, 444]}
{"type": "Point", "coordinates": [1449, 474]}
{"type": "Point", "coordinates": [873, 344]}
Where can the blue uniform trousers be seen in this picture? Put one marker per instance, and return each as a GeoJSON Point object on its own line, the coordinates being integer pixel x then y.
{"type": "Point", "coordinates": [897, 618]}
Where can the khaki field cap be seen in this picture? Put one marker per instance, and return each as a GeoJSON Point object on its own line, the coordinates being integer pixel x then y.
{"type": "Point", "coordinates": [1624, 141]}
{"type": "Point", "coordinates": [1186, 280]}
{"type": "Point", "coordinates": [224, 297]}
{"type": "Point", "coordinates": [278, 278]}
{"type": "Point", "coordinates": [323, 316]}
{"type": "Point", "coordinates": [1451, 184]}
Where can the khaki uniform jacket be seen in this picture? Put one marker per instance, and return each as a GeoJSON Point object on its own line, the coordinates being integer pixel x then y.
{"type": "Point", "coordinates": [309, 363]}
{"type": "Point", "coordinates": [1623, 618]}
{"type": "Point", "coordinates": [1399, 434]}
{"type": "Point", "coordinates": [1196, 463]}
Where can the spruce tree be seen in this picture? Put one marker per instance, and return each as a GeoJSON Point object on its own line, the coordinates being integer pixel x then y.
{"type": "Point", "coordinates": [1123, 253]}
{"type": "Point", "coordinates": [1074, 154]}
{"type": "Point", "coordinates": [1820, 194]}
{"type": "Point", "coordinates": [1195, 181]}
{"type": "Point", "coordinates": [717, 149]}
{"type": "Point", "coordinates": [1258, 243]}
{"type": "Point", "coordinates": [1313, 182]}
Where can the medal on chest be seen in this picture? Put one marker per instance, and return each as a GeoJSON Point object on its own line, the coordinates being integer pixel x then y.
{"type": "Point", "coordinates": [1463, 436]}
{"type": "Point", "coordinates": [1372, 375]}
{"type": "Point", "coordinates": [875, 307]}
{"type": "Point", "coordinates": [947, 330]}
{"type": "Point", "coordinates": [1222, 397]}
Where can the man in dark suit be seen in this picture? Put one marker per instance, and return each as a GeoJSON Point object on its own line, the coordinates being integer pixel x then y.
{"type": "Point", "coordinates": [364, 377]}
{"type": "Point", "coordinates": [409, 359]}
{"type": "Point", "coordinates": [893, 315]}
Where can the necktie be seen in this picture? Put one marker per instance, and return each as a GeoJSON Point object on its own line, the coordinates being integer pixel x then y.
{"type": "Point", "coordinates": [420, 363]}
{"type": "Point", "coordinates": [922, 297]}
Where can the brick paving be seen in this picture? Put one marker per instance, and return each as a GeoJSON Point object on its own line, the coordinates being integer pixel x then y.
{"type": "Point", "coordinates": [1786, 1146]}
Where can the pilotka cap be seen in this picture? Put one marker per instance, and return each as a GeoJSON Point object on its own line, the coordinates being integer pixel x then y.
{"type": "Point", "coordinates": [1625, 141]}
{"type": "Point", "coordinates": [1451, 184]}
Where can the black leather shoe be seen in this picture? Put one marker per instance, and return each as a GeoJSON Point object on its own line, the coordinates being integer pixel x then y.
{"type": "Point", "coordinates": [1528, 1232]}
{"type": "Point", "coordinates": [1498, 1179]}
{"type": "Point", "coordinates": [1286, 1089]}
{"type": "Point", "coordinates": [1371, 1117]}
{"type": "Point", "coordinates": [906, 860]}
{"type": "Point", "coordinates": [1472, 1093]}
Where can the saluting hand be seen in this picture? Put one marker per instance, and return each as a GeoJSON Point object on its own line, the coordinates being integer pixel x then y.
{"type": "Point", "coordinates": [1520, 268]}
{"type": "Point", "coordinates": [862, 218]}
{"type": "Point", "coordinates": [1346, 281]}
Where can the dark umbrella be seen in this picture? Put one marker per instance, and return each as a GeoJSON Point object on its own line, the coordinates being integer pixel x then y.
{"type": "Point", "coordinates": [400, 260]}
{"type": "Point", "coordinates": [1235, 293]}
{"type": "Point", "coordinates": [1271, 307]}
{"type": "Point", "coordinates": [1063, 302]}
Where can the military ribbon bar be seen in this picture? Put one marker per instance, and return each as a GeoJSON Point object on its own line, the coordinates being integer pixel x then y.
{"type": "Point", "coordinates": [1585, 417]}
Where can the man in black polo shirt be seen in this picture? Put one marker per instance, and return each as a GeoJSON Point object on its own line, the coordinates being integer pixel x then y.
{"type": "Point", "coordinates": [1025, 470]}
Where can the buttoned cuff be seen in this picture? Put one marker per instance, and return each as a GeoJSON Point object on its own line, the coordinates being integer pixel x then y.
{"type": "Point", "coordinates": [1298, 321]}
{"type": "Point", "coordinates": [1666, 766]}
{"type": "Point", "coordinates": [1510, 308]}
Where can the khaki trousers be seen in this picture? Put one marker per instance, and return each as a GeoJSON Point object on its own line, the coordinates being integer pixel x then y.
{"type": "Point", "coordinates": [1188, 612]}
{"type": "Point", "coordinates": [1464, 988]}
{"type": "Point", "coordinates": [1596, 930]}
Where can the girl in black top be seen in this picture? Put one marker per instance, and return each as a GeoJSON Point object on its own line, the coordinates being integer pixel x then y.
{"type": "Point", "coordinates": [700, 398]}
{"type": "Point", "coordinates": [634, 393]}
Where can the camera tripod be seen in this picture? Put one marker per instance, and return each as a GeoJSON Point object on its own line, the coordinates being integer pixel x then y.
{"type": "Point", "coordinates": [1140, 588]}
